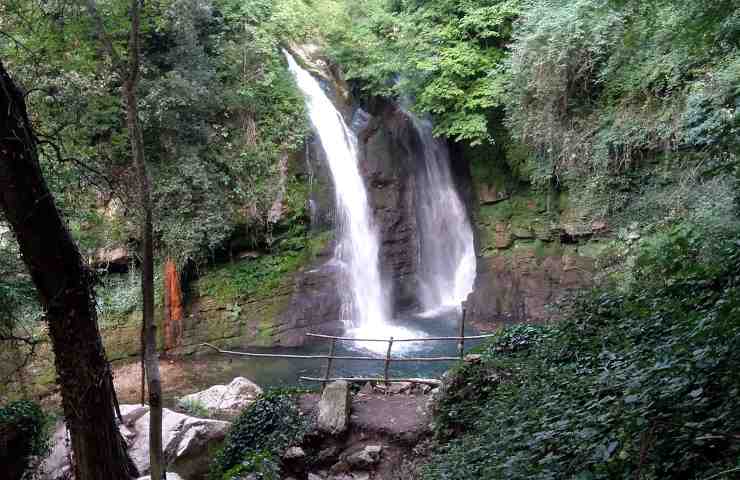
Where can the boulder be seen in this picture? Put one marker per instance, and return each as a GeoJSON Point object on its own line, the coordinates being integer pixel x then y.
{"type": "Point", "coordinates": [365, 458]}
{"type": "Point", "coordinates": [225, 399]}
{"type": "Point", "coordinates": [334, 408]}
{"type": "Point", "coordinates": [115, 257]}
{"type": "Point", "coordinates": [170, 476]}
{"type": "Point", "coordinates": [187, 443]}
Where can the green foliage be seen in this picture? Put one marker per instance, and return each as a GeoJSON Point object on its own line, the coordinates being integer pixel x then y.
{"type": "Point", "coordinates": [262, 431]}
{"type": "Point", "coordinates": [219, 110]}
{"type": "Point", "coordinates": [27, 419]}
{"type": "Point", "coordinates": [444, 55]}
{"type": "Point", "coordinates": [638, 381]}
{"type": "Point", "coordinates": [598, 89]}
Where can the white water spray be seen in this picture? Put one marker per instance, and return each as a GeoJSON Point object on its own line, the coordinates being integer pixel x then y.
{"type": "Point", "coordinates": [366, 308]}
{"type": "Point", "coordinates": [447, 263]}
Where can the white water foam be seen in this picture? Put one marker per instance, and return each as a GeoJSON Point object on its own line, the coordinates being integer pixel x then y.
{"type": "Point", "coordinates": [366, 308]}
{"type": "Point", "coordinates": [447, 264]}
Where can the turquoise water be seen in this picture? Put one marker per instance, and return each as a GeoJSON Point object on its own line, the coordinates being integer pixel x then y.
{"type": "Point", "coordinates": [203, 370]}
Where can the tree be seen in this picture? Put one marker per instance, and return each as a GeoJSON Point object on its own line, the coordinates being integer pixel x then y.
{"type": "Point", "coordinates": [131, 73]}
{"type": "Point", "coordinates": [65, 291]}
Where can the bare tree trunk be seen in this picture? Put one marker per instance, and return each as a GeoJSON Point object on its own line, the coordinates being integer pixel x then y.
{"type": "Point", "coordinates": [65, 289]}
{"type": "Point", "coordinates": [172, 323]}
{"type": "Point", "coordinates": [151, 361]}
{"type": "Point", "coordinates": [131, 74]}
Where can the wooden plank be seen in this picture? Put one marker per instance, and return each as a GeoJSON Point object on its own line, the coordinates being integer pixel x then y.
{"type": "Point", "coordinates": [329, 360]}
{"type": "Point", "coordinates": [461, 342]}
{"type": "Point", "coordinates": [425, 381]}
{"type": "Point", "coordinates": [388, 360]}
{"type": "Point", "coordinates": [422, 339]}
{"type": "Point", "coordinates": [325, 357]}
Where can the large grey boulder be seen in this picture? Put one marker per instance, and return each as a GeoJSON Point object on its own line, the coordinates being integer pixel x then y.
{"type": "Point", "coordinates": [226, 400]}
{"type": "Point", "coordinates": [334, 408]}
{"type": "Point", "coordinates": [170, 476]}
{"type": "Point", "coordinates": [365, 458]}
{"type": "Point", "coordinates": [188, 443]}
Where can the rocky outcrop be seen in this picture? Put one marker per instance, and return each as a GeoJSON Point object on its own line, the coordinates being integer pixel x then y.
{"type": "Point", "coordinates": [314, 305]}
{"type": "Point", "coordinates": [517, 288]}
{"type": "Point", "coordinates": [224, 400]}
{"type": "Point", "coordinates": [187, 441]}
{"type": "Point", "coordinates": [532, 249]}
{"type": "Point", "coordinates": [387, 143]}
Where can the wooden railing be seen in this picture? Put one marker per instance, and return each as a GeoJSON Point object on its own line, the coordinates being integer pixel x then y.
{"type": "Point", "coordinates": [387, 360]}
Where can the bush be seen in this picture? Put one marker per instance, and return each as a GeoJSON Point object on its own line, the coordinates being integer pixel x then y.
{"type": "Point", "coordinates": [639, 382]}
{"type": "Point", "coordinates": [23, 435]}
{"type": "Point", "coordinates": [259, 435]}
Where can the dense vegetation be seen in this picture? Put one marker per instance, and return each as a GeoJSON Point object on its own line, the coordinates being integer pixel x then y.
{"type": "Point", "coordinates": [636, 382]}
{"type": "Point", "coordinates": [630, 107]}
{"type": "Point", "coordinates": [23, 436]}
{"type": "Point", "coordinates": [264, 430]}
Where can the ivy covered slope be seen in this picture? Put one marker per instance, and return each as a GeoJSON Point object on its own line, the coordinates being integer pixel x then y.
{"type": "Point", "coordinates": [640, 380]}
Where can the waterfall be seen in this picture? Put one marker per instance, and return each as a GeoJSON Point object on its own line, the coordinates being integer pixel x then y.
{"type": "Point", "coordinates": [366, 307]}
{"type": "Point", "coordinates": [447, 263]}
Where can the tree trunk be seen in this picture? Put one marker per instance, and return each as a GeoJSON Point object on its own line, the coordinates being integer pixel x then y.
{"type": "Point", "coordinates": [172, 323]}
{"type": "Point", "coordinates": [151, 361]}
{"type": "Point", "coordinates": [65, 290]}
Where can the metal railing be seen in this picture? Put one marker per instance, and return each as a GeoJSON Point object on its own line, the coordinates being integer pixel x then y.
{"type": "Point", "coordinates": [388, 359]}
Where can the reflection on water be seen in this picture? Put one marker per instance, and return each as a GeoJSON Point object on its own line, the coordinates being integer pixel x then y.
{"type": "Point", "coordinates": [201, 371]}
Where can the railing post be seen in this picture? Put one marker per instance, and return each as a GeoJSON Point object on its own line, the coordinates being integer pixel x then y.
{"type": "Point", "coordinates": [329, 362]}
{"type": "Point", "coordinates": [461, 342]}
{"type": "Point", "coordinates": [388, 361]}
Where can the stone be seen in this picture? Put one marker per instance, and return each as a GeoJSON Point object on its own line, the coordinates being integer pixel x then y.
{"type": "Point", "coordinates": [340, 467]}
{"type": "Point", "coordinates": [360, 476]}
{"type": "Point", "coordinates": [57, 463]}
{"type": "Point", "coordinates": [313, 476]}
{"type": "Point", "coordinates": [170, 476]}
{"type": "Point", "coordinates": [473, 358]}
{"type": "Point", "coordinates": [225, 399]}
{"type": "Point", "coordinates": [523, 232]}
{"type": "Point", "coordinates": [401, 387]}
{"type": "Point", "coordinates": [188, 443]}
{"type": "Point", "coordinates": [112, 257]}
{"type": "Point", "coordinates": [489, 194]}
{"type": "Point", "coordinates": [365, 458]}
{"type": "Point", "coordinates": [503, 236]}
{"type": "Point", "coordinates": [334, 408]}
{"type": "Point", "coordinates": [294, 453]}
{"type": "Point", "coordinates": [599, 226]}
{"type": "Point", "coordinates": [367, 389]}
{"type": "Point", "coordinates": [328, 454]}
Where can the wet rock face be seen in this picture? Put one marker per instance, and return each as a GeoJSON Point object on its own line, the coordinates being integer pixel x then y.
{"type": "Point", "coordinates": [386, 143]}
{"type": "Point", "coordinates": [315, 304]}
{"type": "Point", "coordinates": [518, 288]}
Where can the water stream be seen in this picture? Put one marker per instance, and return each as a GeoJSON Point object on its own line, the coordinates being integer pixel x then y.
{"type": "Point", "coordinates": [366, 305]}
{"type": "Point", "coordinates": [447, 253]}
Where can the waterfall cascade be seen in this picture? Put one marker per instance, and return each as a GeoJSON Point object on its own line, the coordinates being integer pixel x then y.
{"type": "Point", "coordinates": [447, 252]}
{"type": "Point", "coordinates": [366, 308]}
{"type": "Point", "coordinates": [447, 256]}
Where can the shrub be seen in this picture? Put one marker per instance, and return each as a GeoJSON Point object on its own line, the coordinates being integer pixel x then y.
{"type": "Point", "coordinates": [258, 436]}
{"type": "Point", "coordinates": [23, 435]}
{"type": "Point", "coordinates": [639, 382]}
